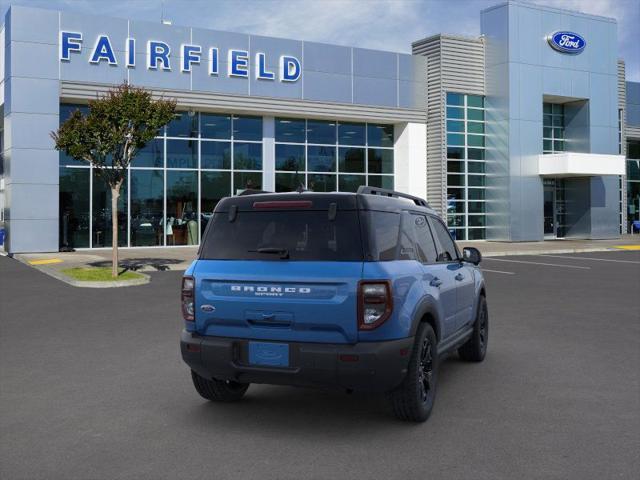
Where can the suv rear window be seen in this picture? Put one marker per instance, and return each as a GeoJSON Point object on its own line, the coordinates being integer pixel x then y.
{"type": "Point", "coordinates": [267, 235]}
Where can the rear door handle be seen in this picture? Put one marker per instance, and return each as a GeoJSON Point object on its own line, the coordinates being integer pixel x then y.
{"type": "Point", "coordinates": [436, 282]}
{"type": "Point", "coordinates": [459, 277]}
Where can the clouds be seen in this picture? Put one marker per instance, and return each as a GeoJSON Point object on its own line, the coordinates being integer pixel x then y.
{"type": "Point", "coordinates": [379, 24]}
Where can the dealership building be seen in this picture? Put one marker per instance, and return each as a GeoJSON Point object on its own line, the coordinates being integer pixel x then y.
{"type": "Point", "coordinates": [525, 133]}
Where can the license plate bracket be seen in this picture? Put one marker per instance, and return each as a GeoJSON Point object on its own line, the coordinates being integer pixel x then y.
{"type": "Point", "coordinates": [269, 354]}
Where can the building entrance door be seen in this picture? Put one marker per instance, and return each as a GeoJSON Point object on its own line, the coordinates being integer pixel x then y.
{"type": "Point", "coordinates": [555, 208]}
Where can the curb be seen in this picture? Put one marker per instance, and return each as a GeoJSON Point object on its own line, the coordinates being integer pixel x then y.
{"type": "Point", "coordinates": [549, 252]}
{"type": "Point", "coordinates": [85, 284]}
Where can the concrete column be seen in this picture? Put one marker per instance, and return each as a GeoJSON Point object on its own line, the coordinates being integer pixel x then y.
{"type": "Point", "coordinates": [268, 154]}
{"type": "Point", "coordinates": [410, 158]}
{"type": "Point", "coordinates": [31, 112]}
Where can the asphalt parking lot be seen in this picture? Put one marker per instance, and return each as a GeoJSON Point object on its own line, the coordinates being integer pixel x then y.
{"type": "Point", "coordinates": [92, 387]}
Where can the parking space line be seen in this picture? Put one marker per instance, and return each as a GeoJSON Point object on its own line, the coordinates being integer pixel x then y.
{"type": "Point", "coordinates": [498, 271]}
{"type": "Point", "coordinates": [591, 258]}
{"type": "Point", "coordinates": [536, 263]}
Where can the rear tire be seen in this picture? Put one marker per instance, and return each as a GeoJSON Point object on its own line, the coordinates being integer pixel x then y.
{"type": "Point", "coordinates": [476, 347]}
{"type": "Point", "coordinates": [413, 400]}
{"type": "Point", "coordinates": [218, 390]}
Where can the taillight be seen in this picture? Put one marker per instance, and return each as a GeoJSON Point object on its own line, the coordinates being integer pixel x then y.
{"type": "Point", "coordinates": [375, 303]}
{"type": "Point", "coordinates": [188, 284]}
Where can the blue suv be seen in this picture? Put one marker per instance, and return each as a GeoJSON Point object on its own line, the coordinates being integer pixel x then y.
{"type": "Point", "coordinates": [362, 291]}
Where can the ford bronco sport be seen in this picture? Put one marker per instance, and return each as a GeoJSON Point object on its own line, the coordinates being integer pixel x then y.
{"type": "Point", "coordinates": [361, 291]}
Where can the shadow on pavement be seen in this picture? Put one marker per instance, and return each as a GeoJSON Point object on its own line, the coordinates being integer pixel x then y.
{"type": "Point", "coordinates": [160, 264]}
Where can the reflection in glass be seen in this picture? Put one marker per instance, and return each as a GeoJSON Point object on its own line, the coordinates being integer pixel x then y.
{"type": "Point", "coordinates": [380, 161]}
{"type": "Point", "coordinates": [290, 157]}
{"type": "Point", "coordinates": [182, 154]}
{"type": "Point", "coordinates": [247, 128]}
{"type": "Point", "coordinates": [289, 182]}
{"type": "Point", "coordinates": [381, 181]}
{"type": "Point", "coordinates": [379, 135]}
{"type": "Point", "coordinates": [351, 133]}
{"type": "Point", "coordinates": [455, 98]}
{"type": "Point", "coordinates": [74, 207]}
{"type": "Point", "coordinates": [321, 159]}
{"type": "Point", "coordinates": [184, 124]}
{"type": "Point", "coordinates": [101, 215]}
{"type": "Point", "coordinates": [151, 155]}
{"type": "Point", "coordinates": [321, 183]}
{"type": "Point", "coordinates": [215, 126]}
{"type": "Point", "coordinates": [215, 155]}
{"type": "Point", "coordinates": [147, 191]}
{"type": "Point", "coordinates": [320, 131]}
{"type": "Point", "coordinates": [351, 159]}
{"type": "Point", "coordinates": [455, 126]}
{"type": "Point", "coordinates": [213, 187]}
{"type": "Point", "coordinates": [246, 181]}
{"type": "Point", "coordinates": [350, 183]}
{"type": "Point", "coordinates": [455, 152]}
{"type": "Point", "coordinates": [455, 193]}
{"type": "Point", "coordinates": [475, 153]}
{"type": "Point", "coordinates": [455, 139]}
{"type": "Point", "coordinates": [182, 208]}
{"type": "Point", "coordinates": [290, 130]}
{"type": "Point", "coordinates": [247, 156]}
{"type": "Point", "coordinates": [66, 109]}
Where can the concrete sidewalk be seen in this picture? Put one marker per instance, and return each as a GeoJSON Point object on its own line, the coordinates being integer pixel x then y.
{"type": "Point", "coordinates": [499, 249]}
{"type": "Point", "coordinates": [179, 258]}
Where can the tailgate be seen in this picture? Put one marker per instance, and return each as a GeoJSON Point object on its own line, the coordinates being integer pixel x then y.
{"type": "Point", "coordinates": [297, 301]}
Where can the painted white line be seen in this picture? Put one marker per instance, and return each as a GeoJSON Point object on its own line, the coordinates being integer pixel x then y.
{"type": "Point", "coordinates": [536, 263]}
{"type": "Point", "coordinates": [497, 271]}
{"type": "Point", "coordinates": [591, 258]}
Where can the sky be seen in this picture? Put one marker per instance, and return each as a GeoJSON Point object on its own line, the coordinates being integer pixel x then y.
{"type": "Point", "coordinates": [378, 24]}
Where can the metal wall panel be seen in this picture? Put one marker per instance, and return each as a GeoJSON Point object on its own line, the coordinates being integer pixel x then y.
{"type": "Point", "coordinates": [455, 64]}
{"type": "Point", "coordinates": [73, 91]}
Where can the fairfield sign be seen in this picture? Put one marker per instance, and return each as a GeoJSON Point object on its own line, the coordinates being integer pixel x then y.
{"type": "Point", "coordinates": [159, 56]}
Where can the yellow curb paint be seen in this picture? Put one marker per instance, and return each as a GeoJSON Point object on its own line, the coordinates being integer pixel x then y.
{"type": "Point", "coordinates": [628, 247]}
{"type": "Point", "coordinates": [47, 261]}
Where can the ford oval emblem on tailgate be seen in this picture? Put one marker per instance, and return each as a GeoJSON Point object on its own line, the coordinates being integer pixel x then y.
{"type": "Point", "coordinates": [208, 308]}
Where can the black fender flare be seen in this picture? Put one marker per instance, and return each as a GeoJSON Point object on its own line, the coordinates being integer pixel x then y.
{"type": "Point", "coordinates": [427, 306]}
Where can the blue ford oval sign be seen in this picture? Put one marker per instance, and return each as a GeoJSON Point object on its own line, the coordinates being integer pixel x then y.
{"type": "Point", "coordinates": [567, 42]}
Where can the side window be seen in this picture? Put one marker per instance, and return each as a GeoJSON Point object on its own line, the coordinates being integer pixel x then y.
{"type": "Point", "coordinates": [424, 240]}
{"type": "Point", "coordinates": [447, 251]}
{"type": "Point", "coordinates": [390, 236]}
{"type": "Point", "coordinates": [407, 242]}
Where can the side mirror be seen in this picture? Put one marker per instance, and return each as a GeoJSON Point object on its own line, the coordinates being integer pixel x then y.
{"type": "Point", "coordinates": [471, 255]}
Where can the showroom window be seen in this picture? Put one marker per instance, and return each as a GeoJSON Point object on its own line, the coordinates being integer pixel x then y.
{"type": "Point", "coordinates": [552, 128]}
{"type": "Point", "coordinates": [465, 130]}
{"type": "Point", "coordinates": [326, 156]}
{"type": "Point", "coordinates": [172, 185]}
{"type": "Point", "coordinates": [633, 183]}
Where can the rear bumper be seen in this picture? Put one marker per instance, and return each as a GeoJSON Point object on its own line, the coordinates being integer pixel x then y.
{"type": "Point", "coordinates": [380, 366]}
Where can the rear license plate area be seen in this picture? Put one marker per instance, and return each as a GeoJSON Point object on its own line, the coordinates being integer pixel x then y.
{"type": "Point", "coordinates": [269, 354]}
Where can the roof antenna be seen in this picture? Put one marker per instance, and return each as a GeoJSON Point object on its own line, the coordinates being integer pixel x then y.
{"type": "Point", "coordinates": [162, 19]}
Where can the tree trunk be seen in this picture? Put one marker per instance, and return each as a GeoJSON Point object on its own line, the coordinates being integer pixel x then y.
{"type": "Point", "coordinates": [115, 193]}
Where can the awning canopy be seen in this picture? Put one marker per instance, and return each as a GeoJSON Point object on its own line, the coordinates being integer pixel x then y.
{"type": "Point", "coordinates": [573, 164]}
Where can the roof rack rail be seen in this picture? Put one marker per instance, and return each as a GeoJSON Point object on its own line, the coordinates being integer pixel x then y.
{"type": "Point", "coordinates": [383, 192]}
{"type": "Point", "coordinates": [252, 191]}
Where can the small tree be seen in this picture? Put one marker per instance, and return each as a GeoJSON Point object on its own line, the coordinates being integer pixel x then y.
{"type": "Point", "coordinates": [117, 126]}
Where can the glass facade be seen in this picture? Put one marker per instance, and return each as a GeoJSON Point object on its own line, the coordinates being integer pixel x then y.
{"type": "Point", "coordinates": [325, 156]}
{"type": "Point", "coordinates": [465, 130]}
{"type": "Point", "coordinates": [176, 180]}
{"type": "Point", "coordinates": [172, 185]}
{"type": "Point", "coordinates": [633, 183]}
{"type": "Point", "coordinates": [552, 128]}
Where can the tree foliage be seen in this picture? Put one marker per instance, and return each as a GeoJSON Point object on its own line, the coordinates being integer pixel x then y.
{"type": "Point", "coordinates": [117, 126]}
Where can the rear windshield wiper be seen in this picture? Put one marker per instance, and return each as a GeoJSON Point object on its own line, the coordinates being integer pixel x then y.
{"type": "Point", "coordinates": [283, 252]}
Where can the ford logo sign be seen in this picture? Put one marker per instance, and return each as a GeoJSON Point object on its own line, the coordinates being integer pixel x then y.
{"type": "Point", "coordinates": [567, 42]}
